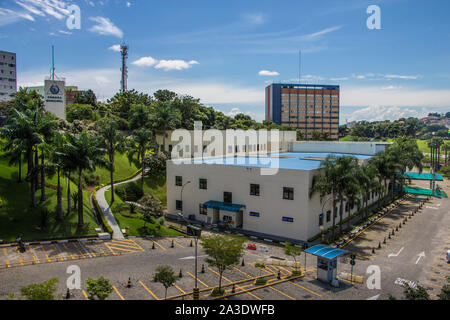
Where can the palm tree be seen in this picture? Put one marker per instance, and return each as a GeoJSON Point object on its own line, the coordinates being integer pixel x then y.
{"type": "Point", "coordinates": [14, 150]}
{"type": "Point", "coordinates": [165, 117]}
{"type": "Point", "coordinates": [87, 155]}
{"type": "Point", "coordinates": [380, 162]}
{"type": "Point", "coordinates": [140, 141]}
{"type": "Point", "coordinates": [113, 141]}
{"type": "Point", "coordinates": [368, 181]}
{"type": "Point", "coordinates": [325, 183]}
{"type": "Point", "coordinates": [446, 149]}
{"type": "Point", "coordinates": [57, 161]}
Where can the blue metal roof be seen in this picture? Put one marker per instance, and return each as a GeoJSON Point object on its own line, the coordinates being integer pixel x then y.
{"type": "Point", "coordinates": [423, 176]}
{"type": "Point", "coordinates": [325, 251]}
{"type": "Point", "coordinates": [223, 206]}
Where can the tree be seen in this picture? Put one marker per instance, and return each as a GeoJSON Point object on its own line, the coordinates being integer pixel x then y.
{"type": "Point", "coordinates": [40, 291]}
{"type": "Point", "coordinates": [165, 117]}
{"type": "Point", "coordinates": [445, 291]}
{"type": "Point", "coordinates": [80, 112]}
{"type": "Point", "coordinates": [418, 293]}
{"type": "Point", "coordinates": [165, 95]}
{"type": "Point", "coordinates": [101, 288]}
{"type": "Point", "coordinates": [121, 103]}
{"type": "Point", "coordinates": [113, 141]}
{"type": "Point", "coordinates": [86, 97]}
{"type": "Point", "coordinates": [56, 160]}
{"type": "Point", "coordinates": [151, 208]}
{"type": "Point", "coordinates": [166, 276]}
{"type": "Point", "coordinates": [86, 154]}
{"type": "Point", "coordinates": [140, 141]}
{"type": "Point", "coordinates": [223, 252]}
{"type": "Point", "coordinates": [139, 116]}
{"type": "Point", "coordinates": [293, 251]}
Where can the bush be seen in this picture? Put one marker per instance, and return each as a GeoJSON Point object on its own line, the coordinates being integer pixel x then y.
{"type": "Point", "coordinates": [216, 292]}
{"type": "Point", "coordinates": [261, 281]}
{"type": "Point", "coordinates": [91, 179]}
{"type": "Point", "coordinates": [100, 287]}
{"type": "Point", "coordinates": [40, 291]}
{"type": "Point", "coordinates": [129, 191]}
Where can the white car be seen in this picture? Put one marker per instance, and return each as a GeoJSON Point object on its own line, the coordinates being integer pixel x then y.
{"type": "Point", "coordinates": [263, 249]}
{"type": "Point", "coordinates": [448, 256]}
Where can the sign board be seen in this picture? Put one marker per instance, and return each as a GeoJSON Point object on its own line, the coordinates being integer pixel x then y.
{"type": "Point", "coordinates": [55, 97]}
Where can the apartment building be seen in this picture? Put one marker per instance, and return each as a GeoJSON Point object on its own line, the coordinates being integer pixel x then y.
{"type": "Point", "coordinates": [8, 75]}
{"type": "Point", "coordinates": [306, 107]}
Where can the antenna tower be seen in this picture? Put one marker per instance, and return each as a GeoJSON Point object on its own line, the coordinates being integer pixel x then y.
{"type": "Point", "coordinates": [124, 69]}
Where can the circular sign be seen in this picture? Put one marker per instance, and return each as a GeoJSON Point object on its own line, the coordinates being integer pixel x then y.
{"type": "Point", "coordinates": [54, 89]}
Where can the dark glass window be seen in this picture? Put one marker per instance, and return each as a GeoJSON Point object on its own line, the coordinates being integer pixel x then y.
{"type": "Point", "coordinates": [254, 189]}
{"type": "Point", "coordinates": [227, 197]}
{"type": "Point", "coordinates": [178, 180]}
{"type": "Point", "coordinates": [288, 193]}
{"type": "Point", "coordinates": [253, 214]}
{"type": "Point", "coordinates": [328, 215]}
{"type": "Point", "coordinates": [179, 204]}
{"type": "Point", "coordinates": [321, 219]}
{"type": "Point", "coordinates": [288, 219]}
{"type": "Point", "coordinates": [203, 209]}
{"type": "Point", "coordinates": [203, 184]}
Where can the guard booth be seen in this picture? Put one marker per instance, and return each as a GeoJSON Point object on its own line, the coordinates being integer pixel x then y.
{"type": "Point", "coordinates": [326, 262]}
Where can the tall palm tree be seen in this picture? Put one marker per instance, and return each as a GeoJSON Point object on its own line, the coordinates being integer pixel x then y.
{"type": "Point", "coordinates": [446, 149]}
{"type": "Point", "coordinates": [86, 153]}
{"type": "Point", "coordinates": [165, 117]}
{"type": "Point", "coordinates": [113, 141]}
{"type": "Point", "coordinates": [139, 142]}
{"type": "Point", "coordinates": [14, 148]}
{"type": "Point", "coordinates": [380, 162]}
{"type": "Point", "coordinates": [57, 161]}
{"type": "Point", "coordinates": [367, 178]}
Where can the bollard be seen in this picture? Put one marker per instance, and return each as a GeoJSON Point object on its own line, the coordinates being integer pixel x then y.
{"type": "Point", "coordinates": [129, 283]}
{"type": "Point", "coordinates": [389, 236]}
{"type": "Point", "coordinates": [181, 274]}
{"type": "Point", "coordinates": [373, 250]}
{"type": "Point", "coordinates": [233, 290]}
{"type": "Point", "coordinates": [196, 293]}
{"type": "Point", "coordinates": [384, 241]}
{"type": "Point", "coordinates": [172, 244]}
{"type": "Point", "coordinates": [400, 225]}
{"type": "Point", "coordinates": [379, 245]}
{"type": "Point", "coordinates": [279, 275]}
{"type": "Point", "coordinates": [396, 228]}
{"type": "Point", "coordinates": [243, 263]}
{"type": "Point", "coordinates": [68, 294]}
{"type": "Point", "coordinates": [153, 246]}
{"type": "Point", "coordinates": [190, 244]}
{"type": "Point", "coordinates": [203, 268]}
{"type": "Point", "coordinates": [393, 233]}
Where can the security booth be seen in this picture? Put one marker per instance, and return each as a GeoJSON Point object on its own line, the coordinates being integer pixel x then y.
{"type": "Point", "coordinates": [326, 262]}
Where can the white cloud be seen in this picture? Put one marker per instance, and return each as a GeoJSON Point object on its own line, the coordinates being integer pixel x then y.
{"type": "Point", "coordinates": [115, 47]}
{"type": "Point", "coordinates": [167, 65]}
{"type": "Point", "coordinates": [391, 87]}
{"type": "Point", "coordinates": [128, 4]}
{"type": "Point", "coordinates": [145, 62]}
{"type": "Point", "coordinates": [9, 16]}
{"type": "Point", "coordinates": [104, 26]}
{"type": "Point", "coordinates": [315, 35]}
{"type": "Point", "coordinates": [268, 73]}
{"type": "Point", "coordinates": [65, 32]}
{"type": "Point", "coordinates": [254, 18]}
{"type": "Point", "coordinates": [380, 113]}
{"type": "Point", "coordinates": [399, 76]}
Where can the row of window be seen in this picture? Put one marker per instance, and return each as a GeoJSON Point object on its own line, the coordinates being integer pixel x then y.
{"type": "Point", "coordinates": [251, 147]}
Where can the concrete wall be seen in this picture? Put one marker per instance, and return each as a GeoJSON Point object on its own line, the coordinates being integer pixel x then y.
{"type": "Point", "coordinates": [366, 148]}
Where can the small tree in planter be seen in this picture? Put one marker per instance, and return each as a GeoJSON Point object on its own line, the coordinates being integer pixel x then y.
{"type": "Point", "coordinates": [100, 287]}
{"type": "Point", "coordinates": [260, 266]}
{"type": "Point", "coordinates": [166, 276]}
{"type": "Point", "coordinates": [132, 207]}
{"type": "Point", "coordinates": [293, 251]}
{"type": "Point", "coordinates": [40, 291]}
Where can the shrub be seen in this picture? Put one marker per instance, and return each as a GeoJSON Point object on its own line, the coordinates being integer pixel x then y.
{"type": "Point", "coordinates": [91, 179]}
{"type": "Point", "coordinates": [100, 287]}
{"type": "Point", "coordinates": [40, 291]}
{"type": "Point", "coordinates": [261, 281]}
{"type": "Point", "coordinates": [216, 292]}
{"type": "Point", "coordinates": [129, 191]}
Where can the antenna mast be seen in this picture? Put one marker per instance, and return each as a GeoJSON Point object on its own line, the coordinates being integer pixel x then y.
{"type": "Point", "coordinates": [53, 63]}
{"type": "Point", "coordinates": [124, 53]}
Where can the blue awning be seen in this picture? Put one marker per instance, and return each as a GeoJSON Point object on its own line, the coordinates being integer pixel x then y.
{"type": "Point", "coordinates": [423, 176]}
{"type": "Point", "coordinates": [223, 206]}
{"type": "Point", "coordinates": [326, 252]}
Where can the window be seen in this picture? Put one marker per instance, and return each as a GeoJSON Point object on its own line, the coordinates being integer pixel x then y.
{"type": "Point", "coordinates": [253, 214]}
{"type": "Point", "coordinates": [346, 207]}
{"type": "Point", "coordinates": [227, 218]}
{"type": "Point", "coordinates": [162, 148]}
{"type": "Point", "coordinates": [170, 148]}
{"type": "Point", "coordinates": [227, 197]}
{"type": "Point", "coordinates": [288, 219]}
{"type": "Point", "coordinates": [203, 184]}
{"type": "Point", "coordinates": [328, 215]}
{"type": "Point", "coordinates": [178, 180]}
{"type": "Point", "coordinates": [179, 205]}
{"type": "Point", "coordinates": [203, 209]}
{"type": "Point", "coordinates": [254, 189]}
{"type": "Point", "coordinates": [288, 193]}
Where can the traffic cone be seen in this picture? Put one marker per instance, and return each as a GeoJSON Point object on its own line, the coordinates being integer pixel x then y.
{"type": "Point", "coordinates": [153, 246]}
{"type": "Point", "coordinates": [389, 236]}
{"type": "Point", "coordinates": [373, 250]}
{"type": "Point", "coordinates": [379, 245]}
{"type": "Point", "coordinates": [384, 241]}
{"type": "Point", "coordinates": [400, 225]}
{"type": "Point", "coordinates": [172, 244]}
{"type": "Point", "coordinates": [396, 228]}
{"type": "Point", "coordinates": [68, 294]}
{"type": "Point", "coordinates": [203, 268]}
{"type": "Point", "coordinates": [129, 283]}
{"type": "Point", "coordinates": [181, 274]}
{"type": "Point", "coordinates": [279, 275]}
{"type": "Point", "coordinates": [243, 263]}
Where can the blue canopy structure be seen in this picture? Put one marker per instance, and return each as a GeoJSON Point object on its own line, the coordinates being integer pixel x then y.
{"type": "Point", "coordinates": [325, 252]}
{"type": "Point", "coordinates": [224, 206]}
{"type": "Point", "coordinates": [423, 176]}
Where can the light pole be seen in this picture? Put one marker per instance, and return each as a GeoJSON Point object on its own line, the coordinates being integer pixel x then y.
{"type": "Point", "coordinates": [321, 231]}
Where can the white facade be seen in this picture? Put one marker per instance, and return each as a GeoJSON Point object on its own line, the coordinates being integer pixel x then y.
{"type": "Point", "coordinates": [55, 97]}
{"type": "Point", "coordinates": [8, 75]}
{"type": "Point", "coordinates": [294, 219]}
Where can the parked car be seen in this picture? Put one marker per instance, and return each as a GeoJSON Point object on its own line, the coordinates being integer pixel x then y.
{"type": "Point", "coordinates": [263, 249]}
{"type": "Point", "coordinates": [251, 246]}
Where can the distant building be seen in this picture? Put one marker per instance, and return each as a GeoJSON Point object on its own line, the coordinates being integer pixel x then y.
{"type": "Point", "coordinates": [306, 107]}
{"type": "Point", "coordinates": [8, 75]}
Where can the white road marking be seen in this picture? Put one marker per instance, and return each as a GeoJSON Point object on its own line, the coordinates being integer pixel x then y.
{"type": "Point", "coordinates": [395, 254]}
{"type": "Point", "coordinates": [428, 207]}
{"type": "Point", "coordinates": [374, 297]}
{"type": "Point", "coordinates": [401, 282]}
{"type": "Point", "coordinates": [421, 255]}
{"type": "Point", "coordinates": [193, 257]}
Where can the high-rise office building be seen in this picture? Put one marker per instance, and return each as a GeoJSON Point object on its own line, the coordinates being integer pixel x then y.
{"type": "Point", "coordinates": [306, 107]}
{"type": "Point", "coordinates": [8, 75]}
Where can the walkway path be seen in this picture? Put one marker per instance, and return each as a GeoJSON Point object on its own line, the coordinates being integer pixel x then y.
{"type": "Point", "coordinates": [107, 212]}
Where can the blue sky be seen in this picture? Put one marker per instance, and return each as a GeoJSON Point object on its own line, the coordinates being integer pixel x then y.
{"type": "Point", "coordinates": [226, 52]}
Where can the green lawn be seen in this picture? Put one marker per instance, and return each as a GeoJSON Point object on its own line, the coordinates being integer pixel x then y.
{"type": "Point", "coordinates": [17, 217]}
{"type": "Point", "coordinates": [134, 220]}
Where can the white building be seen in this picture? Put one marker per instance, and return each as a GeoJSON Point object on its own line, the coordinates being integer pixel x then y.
{"type": "Point", "coordinates": [236, 190]}
{"type": "Point", "coordinates": [8, 75]}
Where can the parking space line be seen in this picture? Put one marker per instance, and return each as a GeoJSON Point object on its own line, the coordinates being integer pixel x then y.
{"type": "Point", "coordinates": [79, 250]}
{"type": "Point", "coordinates": [237, 286]}
{"type": "Point", "coordinates": [284, 294]}
{"type": "Point", "coordinates": [21, 260]}
{"type": "Point", "coordinates": [45, 252]}
{"type": "Point", "coordinates": [85, 295]}
{"type": "Point", "coordinates": [137, 245]}
{"type": "Point", "coordinates": [441, 269]}
{"type": "Point", "coordinates": [67, 251]}
{"type": "Point", "coordinates": [178, 244]}
{"type": "Point", "coordinates": [120, 245]}
{"type": "Point", "coordinates": [433, 284]}
{"type": "Point", "coordinates": [148, 290]}
{"type": "Point", "coordinates": [182, 291]}
{"type": "Point", "coordinates": [86, 251]}
{"type": "Point", "coordinates": [243, 272]}
{"type": "Point", "coordinates": [118, 293]}
{"type": "Point", "coordinates": [123, 249]}
{"type": "Point", "coordinates": [198, 279]}
{"type": "Point", "coordinates": [296, 284]}
{"type": "Point", "coordinates": [288, 272]}
{"type": "Point", "coordinates": [112, 251]}
{"type": "Point", "coordinates": [156, 242]}
{"type": "Point", "coordinates": [36, 260]}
